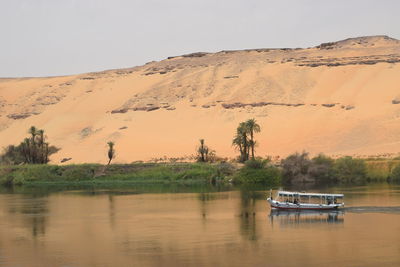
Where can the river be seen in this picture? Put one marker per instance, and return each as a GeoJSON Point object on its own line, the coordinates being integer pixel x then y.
{"type": "Point", "coordinates": [195, 227]}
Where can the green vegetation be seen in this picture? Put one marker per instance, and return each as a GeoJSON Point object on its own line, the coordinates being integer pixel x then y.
{"type": "Point", "coordinates": [111, 152]}
{"type": "Point", "coordinates": [381, 169]}
{"type": "Point", "coordinates": [134, 173]}
{"type": "Point", "coordinates": [244, 139]}
{"type": "Point", "coordinates": [298, 168]}
{"type": "Point", "coordinates": [26, 164]}
{"type": "Point", "coordinates": [295, 168]}
{"type": "Point", "coordinates": [348, 169]}
{"type": "Point", "coordinates": [258, 171]}
{"type": "Point", "coordinates": [321, 169]}
{"type": "Point", "coordinates": [204, 153]}
{"type": "Point", "coordinates": [395, 174]}
{"type": "Point", "coordinates": [33, 150]}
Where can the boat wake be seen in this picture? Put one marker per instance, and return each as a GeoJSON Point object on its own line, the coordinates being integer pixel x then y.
{"type": "Point", "coordinates": [372, 209]}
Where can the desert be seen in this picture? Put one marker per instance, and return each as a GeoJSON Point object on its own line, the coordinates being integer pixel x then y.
{"type": "Point", "coordinates": [339, 98]}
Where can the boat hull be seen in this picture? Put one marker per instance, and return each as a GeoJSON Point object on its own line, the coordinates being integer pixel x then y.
{"type": "Point", "coordinates": [277, 205]}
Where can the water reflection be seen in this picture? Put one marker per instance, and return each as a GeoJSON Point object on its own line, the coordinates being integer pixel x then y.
{"type": "Point", "coordinates": [248, 222]}
{"type": "Point", "coordinates": [111, 205]}
{"type": "Point", "coordinates": [34, 210]}
{"type": "Point", "coordinates": [292, 218]}
{"type": "Point", "coordinates": [200, 228]}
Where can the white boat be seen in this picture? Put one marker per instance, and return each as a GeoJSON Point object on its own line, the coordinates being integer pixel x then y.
{"type": "Point", "coordinates": [286, 200]}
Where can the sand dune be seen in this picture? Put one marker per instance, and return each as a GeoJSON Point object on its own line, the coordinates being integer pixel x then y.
{"type": "Point", "coordinates": [338, 98]}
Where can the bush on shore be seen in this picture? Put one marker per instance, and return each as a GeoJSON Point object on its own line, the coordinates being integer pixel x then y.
{"type": "Point", "coordinates": [258, 171]}
{"type": "Point", "coordinates": [295, 168]}
{"type": "Point", "coordinates": [348, 169]}
{"type": "Point", "coordinates": [395, 175]}
{"type": "Point", "coordinates": [299, 168]}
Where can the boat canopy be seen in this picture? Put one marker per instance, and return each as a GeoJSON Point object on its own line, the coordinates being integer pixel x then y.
{"type": "Point", "coordinates": [299, 194]}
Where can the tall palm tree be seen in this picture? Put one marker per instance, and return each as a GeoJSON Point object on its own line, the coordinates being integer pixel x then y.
{"type": "Point", "coordinates": [25, 147]}
{"type": "Point", "coordinates": [32, 149]}
{"type": "Point", "coordinates": [252, 128]}
{"type": "Point", "coordinates": [46, 153]}
{"type": "Point", "coordinates": [237, 142]}
{"type": "Point", "coordinates": [40, 146]}
{"type": "Point", "coordinates": [203, 151]}
{"type": "Point", "coordinates": [111, 151]}
{"type": "Point", "coordinates": [241, 141]}
{"type": "Point", "coordinates": [244, 131]}
{"type": "Point", "coordinates": [33, 131]}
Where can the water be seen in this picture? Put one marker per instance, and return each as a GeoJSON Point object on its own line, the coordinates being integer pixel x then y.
{"type": "Point", "coordinates": [195, 227]}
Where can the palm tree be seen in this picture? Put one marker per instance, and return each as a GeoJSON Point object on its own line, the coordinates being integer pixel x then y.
{"type": "Point", "coordinates": [46, 153]}
{"type": "Point", "coordinates": [111, 152]}
{"type": "Point", "coordinates": [33, 132]}
{"type": "Point", "coordinates": [25, 148]}
{"type": "Point", "coordinates": [237, 142]}
{"type": "Point", "coordinates": [241, 141]}
{"type": "Point", "coordinates": [252, 128]}
{"type": "Point", "coordinates": [244, 131]}
{"type": "Point", "coordinates": [32, 149]}
{"type": "Point", "coordinates": [202, 151]}
{"type": "Point", "coordinates": [40, 148]}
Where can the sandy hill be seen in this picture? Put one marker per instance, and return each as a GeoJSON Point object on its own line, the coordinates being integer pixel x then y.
{"type": "Point", "coordinates": [339, 98]}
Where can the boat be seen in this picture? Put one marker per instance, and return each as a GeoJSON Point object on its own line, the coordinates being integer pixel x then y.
{"type": "Point", "coordinates": [286, 200]}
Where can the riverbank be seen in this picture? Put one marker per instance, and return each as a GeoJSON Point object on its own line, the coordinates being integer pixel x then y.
{"type": "Point", "coordinates": [136, 173]}
{"type": "Point", "coordinates": [259, 172]}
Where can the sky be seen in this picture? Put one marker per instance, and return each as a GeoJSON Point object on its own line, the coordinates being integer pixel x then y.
{"type": "Point", "coordinates": [62, 37]}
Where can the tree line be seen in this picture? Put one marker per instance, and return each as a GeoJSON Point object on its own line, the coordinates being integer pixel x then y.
{"type": "Point", "coordinates": [243, 141]}
{"type": "Point", "coordinates": [32, 150]}
{"type": "Point", "coordinates": [295, 168]}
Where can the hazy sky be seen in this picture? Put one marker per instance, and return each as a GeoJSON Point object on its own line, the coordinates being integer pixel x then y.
{"type": "Point", "coordinates": [59, 37]}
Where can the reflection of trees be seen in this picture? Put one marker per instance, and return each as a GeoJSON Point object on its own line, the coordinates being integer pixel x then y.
{"type": "Point", "coordinates": [33, 210]}
{"type": "Point", "coordinates": [111, 203]}
{"type": "Point", "coordinates": [204, 198]}
{"type": "Point", "coordinates": [248, 214]}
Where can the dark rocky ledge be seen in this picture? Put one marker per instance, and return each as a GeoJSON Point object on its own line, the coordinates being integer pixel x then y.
{"type": "Point", "coordinates": [328, 105]}
{"type": "Point", "coordinates": [21, 116]}
{"type": "Point", "coordinates": [258, 104]}
{"type": "Point", "coordinates": [148, 108]}
{"type": "Point", "coordinates": [344, 61]}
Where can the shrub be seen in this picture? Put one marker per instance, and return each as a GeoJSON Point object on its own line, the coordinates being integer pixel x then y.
{"type": "Point", "coordinates": [32, 150]}
{"type": "Point", "coordinates": [321, 169]}
{"type": "Point", "coordinates": [256, 163]}
{"type": "Point", "coordinates": [348, 169]}
{"type": "Point", "coordinates": [395, 175]}
{"type": "Point", "coordinates": [380, 170]}
{"type": "Point", "coordinates": [225, 169]}
{"type": "Point", "coordinates": [12, 155]}
{"type": "Point", "coordinates": [269, 175]}
{"type": "Point", "coordinates": [295, 167]}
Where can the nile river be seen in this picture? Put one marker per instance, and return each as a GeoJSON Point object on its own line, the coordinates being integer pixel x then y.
{"type": "Point", "coordinates": [195, 227]}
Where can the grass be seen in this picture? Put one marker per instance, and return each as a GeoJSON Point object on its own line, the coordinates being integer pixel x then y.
{"type": "Point", "coordinates": [115, 175]}
{"type": "Point", "coordinates": [258, 172]}
{"type": "Point", "coordinates": [94, 174]}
